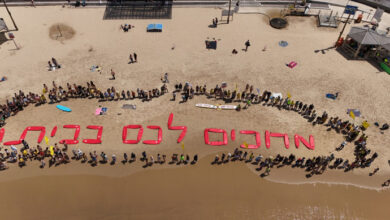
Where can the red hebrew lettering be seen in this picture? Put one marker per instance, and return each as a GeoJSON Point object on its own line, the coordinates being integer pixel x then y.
{"type": "Point", "coordinates": [31, 128]}
{"type": "Point", "coordinates": [1, 134]}
{"type": "Point", "coordinates": [159, 137]}
{"type": "Point", "coordinates": [267, 139]}
{"type": "Point", "coordinates": [139, 136]}
{"type": "Point", "coordinates": [170, 119]}
{"type": "Point", "coordinates": [183, 128]}
{"type": "Point", "coordinates": [285, 136]}
{"type": "Point", "coordinates": [98, 139]}
{"type": "Point", "coordinates": [53, 132]}
{"type": "Point", "coordinates": [215, 143]}
{"type": "Point", "coordinates": [298, 139]}
{"type": "Point", "coordinates": [257, 136]}
{"type": "Point", "coordinates": [76, 135]}
{"type": "Point", "coordinates": [233, 135]}
{"type": "Point", "coordinates": [12, 142]}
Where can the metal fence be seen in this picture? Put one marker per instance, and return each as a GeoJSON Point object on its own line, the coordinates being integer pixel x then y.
{"type": "Point", "coordinates": [127, 9]}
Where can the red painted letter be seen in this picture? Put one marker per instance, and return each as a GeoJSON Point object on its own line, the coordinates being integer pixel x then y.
{"type": "Point", "coordinates": [98, 139]}
{"type": "Point", "coordinates": [159, 137]}
{"type": "Point", "coordinates": [139, 136]}
{"type": "Point", "coordinates": [215, 143]}
{"type": "Point", "coordinates": [31, 128]}
{"type": "Point", "coordinates": [183, 128]}
{"type": "Point", "coordinates": [257, 136]}
{"type": "Point", "coordinates": [310, 145]}
{"type": "Point", "coordinates": [75, 137]}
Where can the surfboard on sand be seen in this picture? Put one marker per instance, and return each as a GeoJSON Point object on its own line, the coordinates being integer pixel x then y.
{"type": "Point", "coordinates": [202, 105]}
{"type": "Point", "coordinates": [64, 108]}
{"type": "Point", "coordinates": [228, 107]}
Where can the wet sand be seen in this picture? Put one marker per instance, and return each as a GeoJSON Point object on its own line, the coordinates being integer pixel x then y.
{"type": "Point", "coordinates": [228, 191]}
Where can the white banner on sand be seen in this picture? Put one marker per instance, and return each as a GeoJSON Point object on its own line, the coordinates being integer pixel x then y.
{"type": "Point", "coordinates": [378, 14]}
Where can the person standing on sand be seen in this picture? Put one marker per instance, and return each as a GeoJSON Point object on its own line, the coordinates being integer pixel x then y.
{"type": "Point", "coordinates": [151, 160]}
{"type": "Point", "coordinates": [131, 59]}
{"type": "Point", "coordinates": [166, 78]}
{"type": "Point", "coordinates": [216, 159]}
{"type": "Point", "coordinates": [125, 158]}
{"type": "Point", "coordinates": [195, 159]}
{"type": "Point", "coordinates": [133, 157]}
{"type": "Point", "coordinates": [113, 74]}
{"type": "Point", "coordinates": [135, 57]}
{"type": "Point", "coordinates": [267, 171]}
{"type": "Point", "coordinates": [247, 44]}
{"type": "Point", "coordinates": [113, 159]}
{"type": "Point", "coordinates": [144, 155]}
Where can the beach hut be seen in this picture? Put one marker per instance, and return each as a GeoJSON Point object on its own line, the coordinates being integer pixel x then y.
{"type": "Point", "coordinates": [363, 42]}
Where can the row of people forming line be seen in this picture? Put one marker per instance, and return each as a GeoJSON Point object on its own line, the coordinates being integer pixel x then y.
{"type": "Point", "coordinates": [57, 156]}
{"type": "Point", "coordinates": [314, 166]}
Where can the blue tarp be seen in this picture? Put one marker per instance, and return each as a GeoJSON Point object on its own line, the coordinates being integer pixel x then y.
{"type": "Point", "coordinates": [154, 27]}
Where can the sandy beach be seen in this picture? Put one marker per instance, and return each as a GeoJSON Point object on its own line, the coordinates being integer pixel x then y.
{"type": "Point", "coordinates": [229, 191]}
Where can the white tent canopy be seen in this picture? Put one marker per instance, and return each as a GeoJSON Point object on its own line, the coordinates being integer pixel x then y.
{"type": "Point", "coordinates": [3, 26]}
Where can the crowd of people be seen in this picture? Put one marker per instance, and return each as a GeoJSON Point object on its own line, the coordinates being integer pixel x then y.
{"type": "Point", "coordinates": [56, 156]}
{"type": "Point", "coordinates": [248, 97]}
{"type": "Point", "coordinates": [57, 94]}
{"type": "Point", "coordinates": [314, 166]}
